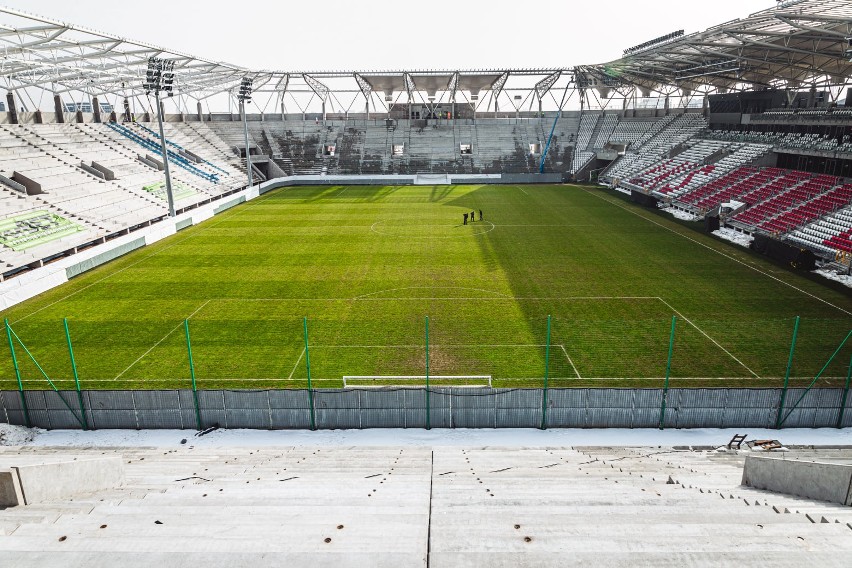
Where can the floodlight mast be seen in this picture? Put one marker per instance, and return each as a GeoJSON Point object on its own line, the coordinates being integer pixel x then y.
{"type": "Point", "coordinates": [244, 96]}
{"type": "Point", "coordinates": [160, 77]}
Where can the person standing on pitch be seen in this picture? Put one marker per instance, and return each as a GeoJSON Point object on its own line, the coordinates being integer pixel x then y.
{"type": "Point", "coordinates": [472, 217]}
{"type": "Point", "coordinates": [465, 218]}
{"type": "Point", "coordinates": [480, 214]}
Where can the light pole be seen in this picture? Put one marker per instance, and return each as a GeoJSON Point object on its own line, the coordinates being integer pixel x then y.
{"type": "Point", "coordinates": [160, 77]}
{"type": "Point", "coordinates": [244, 97]}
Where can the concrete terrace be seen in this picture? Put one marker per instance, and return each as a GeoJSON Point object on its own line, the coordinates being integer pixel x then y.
{"type": "Point", "coordinates": [425, 506]}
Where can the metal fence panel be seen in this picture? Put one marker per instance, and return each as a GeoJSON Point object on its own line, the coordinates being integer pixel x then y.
{"type": "Point", "coordinates": [337, 409]}
{"type": "Point", "coordinates": [4, 418]}
{"type": "Point", "coordinates": [290, 409]}
{"type": "Point", "coordinates": [247, 409]}
{"type": "Point", "coordinates": [440, 408]}
{"type": "Point", "coordinates": [753, 398]}
{"type": "Point", "coordinates": [568, 398]}
{"type": "Point", "coordinates": [648, 398]}
{"type": "Point", "coordinates": [64, 410]}
{"type": "Point", "coordinates": [749, 418]}
{"type": "Point", "coordinates": [473, 408]}
{"type": "Point", "coordinates": [610, 398]}
{"type": "Point", "coordinates": [211, 404]}
{"type": "Point", "coordinates": [37, 409]}
{"type": "Point", "coordinates": [646, 417]}
{"type": "Point", "coordinates": [382, 409]}
{"type": "Point", "coordinates": [449, 407]}
{"type": "Point", "coordinates": [700, 417]}
{"type": "Point", "coordinates": [518, 408]}
{"type": "Point", "coordinates": [158, 409]}
{"type": "Point", "coordinates": [112, 409]}
{"type": "Point", "coordinates": [609, 418]}
{"type": "Point", "coordinates": [414, 403]}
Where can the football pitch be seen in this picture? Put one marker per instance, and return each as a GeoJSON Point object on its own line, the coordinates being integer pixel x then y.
{"type": "Point", "coordinates": [574, 283]}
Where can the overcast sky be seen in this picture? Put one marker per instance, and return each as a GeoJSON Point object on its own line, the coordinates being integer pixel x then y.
{"type": "Point", "coordinates": [366, 34]}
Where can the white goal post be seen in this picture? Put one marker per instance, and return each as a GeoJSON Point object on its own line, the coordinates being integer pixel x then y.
{"type": "Point", "coordinates": [416, 381]}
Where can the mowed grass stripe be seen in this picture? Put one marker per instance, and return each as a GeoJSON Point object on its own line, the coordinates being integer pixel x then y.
{"type": "Point", "coordinates": [313, 252]}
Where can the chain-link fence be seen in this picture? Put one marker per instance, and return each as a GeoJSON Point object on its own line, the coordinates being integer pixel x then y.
{"type": "Point", "coordinates": [633, 344]}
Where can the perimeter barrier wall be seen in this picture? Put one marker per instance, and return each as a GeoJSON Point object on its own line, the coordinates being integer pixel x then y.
{"type": "Point", "coordinates": [450, 407]}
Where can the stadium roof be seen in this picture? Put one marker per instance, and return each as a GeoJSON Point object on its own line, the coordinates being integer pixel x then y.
{"type": "Point", "coordinates": [797, 43]}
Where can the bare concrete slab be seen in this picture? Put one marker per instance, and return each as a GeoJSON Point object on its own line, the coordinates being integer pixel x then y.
{"type": "Point", "coordinates": [824, 481]}
{"type": "Point", "coordinates": [40, 479]}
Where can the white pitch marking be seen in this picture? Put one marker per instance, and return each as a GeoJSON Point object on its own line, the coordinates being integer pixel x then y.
{"type": "Point", "coordinates": [721, 253]}
{"type": "Point", "coordinates": [716, 343]}
{"type": "Point", "coordinates": [522, 189]}
{"type": "Point", "coordinates": [146, 257]}
{"type": "Point", "coordinates": [160, 341]}
{"type": "Point", "coordinates": [299, 360]}
{"type": "Point", "coordinates": [570, 361]}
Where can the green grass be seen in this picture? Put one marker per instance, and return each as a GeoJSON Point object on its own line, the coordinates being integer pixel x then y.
{"type": "Point", "coordinates": [366, 265]}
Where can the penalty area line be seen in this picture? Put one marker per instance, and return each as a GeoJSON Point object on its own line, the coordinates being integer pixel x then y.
{"type": "Point", "coordinates": [573, 366]}
{"type": "Point", "coordinates": [296, 366]}
{"type": "Point", "coordinates": [716, 343]}
{"type": "Point", "coordinates": [166, 336]}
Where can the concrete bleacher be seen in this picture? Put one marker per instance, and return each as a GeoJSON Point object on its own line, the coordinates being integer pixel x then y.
{"type": "Point", "coordinates": [426, 506]}
{"type": "Point", "coordinates": [58, 161]}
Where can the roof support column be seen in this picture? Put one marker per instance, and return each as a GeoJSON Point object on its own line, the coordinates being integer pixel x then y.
{"type": "Point", "coordinates": [96, 109]}
{"type": "Point", "coordinates": [199, 112]}
{"type": "Point", "coordinates": [57, 109]}
{"type": "Point", "coordinates": [11, 108]}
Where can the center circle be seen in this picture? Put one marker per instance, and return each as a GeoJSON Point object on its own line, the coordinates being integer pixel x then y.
{"type": "Point", "coordinates": [419, 229]}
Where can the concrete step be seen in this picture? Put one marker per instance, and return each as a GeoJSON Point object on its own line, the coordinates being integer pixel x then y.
{"type": "Point", "coordinates": [617, 559]}
{"type": "Point", "coordinates": [244, 558]}
{"type": "Point", "coordinates": [341, 541]}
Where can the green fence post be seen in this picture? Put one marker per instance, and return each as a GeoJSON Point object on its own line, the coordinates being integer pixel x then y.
{"type": "Point", "coordinates": [668, 374]}
{"type": "Point", "coordinates": [192, 375]}
{"type": "Point", "coordinates": [546, 376]}
{"type": "Point", "coordinates": [310, 387]}
{"type": "Point", "coordinates": [845, 394]}
{"type": "Point", "coordinates": [428, 407]}
{"type": "Point", "coordinates": [76, 376]}
{"type": "Point", "coordinates": [817, 377]}
{"type": "Point", "coordinates": [787, 374]}
{"type": "Point", "coordinates": [18, 374]}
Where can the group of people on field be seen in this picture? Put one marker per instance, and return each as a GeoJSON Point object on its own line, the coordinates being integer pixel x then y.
{"type": "Point", "coordinates": [472, 216]}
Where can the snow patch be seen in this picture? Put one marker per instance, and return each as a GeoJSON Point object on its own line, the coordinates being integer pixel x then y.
{"type": "Point", "coordinates": [682, 215]}
{"type": "Point", "coordinates": [17, 435]}
{"type": "Point", "coordinates": [733, 236]}
{"type": "Point", "coordinates": [844, 279]}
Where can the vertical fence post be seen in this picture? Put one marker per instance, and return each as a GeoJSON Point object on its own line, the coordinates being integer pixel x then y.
{"type": "Point", "coordinates": [310, 387]}
{"type": "Point", "coordinates": [845, 394]}
{"type": "Point", "coordinates": [668, 374]}
{"type": "Point", "coordinates": [428, 406]}
{"type": "Point", "coordinates": [76, 376]}
{"type": "Point", "coordinates": [787, 374]}
{"type": "Point", "coordinates": [192, 375]}
{"type": "Point", "coordinates": [18, 374]}
{"type": "Point", "coordinates": [546, 376]}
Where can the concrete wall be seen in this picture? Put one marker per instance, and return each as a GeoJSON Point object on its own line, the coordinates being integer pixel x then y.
{"type": "Point", "coordinates": [45, 479]}
{"type": "Point", "coordinates": [814, 480]}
